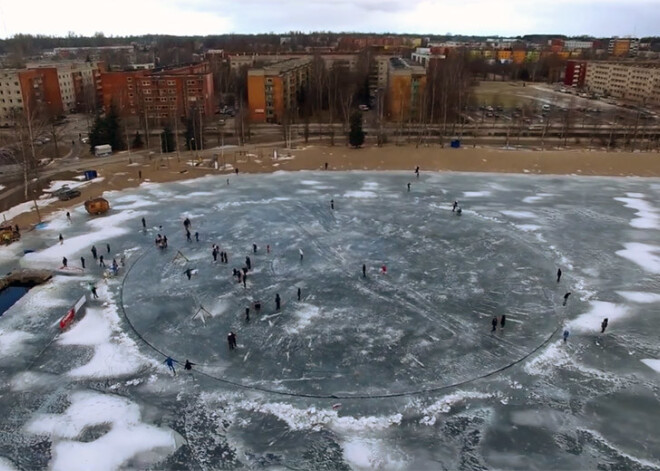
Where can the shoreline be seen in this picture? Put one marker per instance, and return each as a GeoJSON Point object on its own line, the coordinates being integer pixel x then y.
{"type": "Point", "coordinates": [258, 159]}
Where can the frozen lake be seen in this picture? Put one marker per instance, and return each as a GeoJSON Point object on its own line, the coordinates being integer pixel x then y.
{"type": "Point", "coordinates": [396, 370]}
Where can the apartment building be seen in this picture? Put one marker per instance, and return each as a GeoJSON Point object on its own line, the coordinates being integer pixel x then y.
{"type": "Point", "coordinates": [405, 89]}
{"type": "Point", "coordinates": [159, 95]}
{"type": "Point", "coordinates": [29, 91]}
{"type": "Point", "coordinates": [272, 89]}
{"type": "Point", "coordinates": [623, 47]}
{"type": "Point", "coordinates": [575, 74]}
{"type": "Point", "coordinates": [635, 82]}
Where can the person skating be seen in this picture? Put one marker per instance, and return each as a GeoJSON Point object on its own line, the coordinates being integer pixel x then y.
{"type": "Point", "coordinates": [245, 280]}
{"type": "Point", "coordinates": [326, 165]}
{"type": "Point", "coordinates": [215, 253]}
{"type": "Point", "coordinates": [64, 262]}
{"type": "Point", "coordinates": [502, 321]}
{"type": "Point", "coordinates": [603, 326]}
{"type": "Point", "coordinates": [299, 293]}
{"type": "Point", "coordinates": [566, 333]}
{"type": "Point", "coordinates": [494, 324]}
{"type": "Point", "coordinates": [558, 274]}
{"type": "Point", "coordinates": [454, 206]}
{"type": "Point", "coordinates": [239, 274]}
{"type": "Point", "coordinates": [417, 171]}
{"type": "Point", "coordinates": [408, 187]}
{"type": "Point", "coordinates": [144, 224]}
{"type": "Point", "coordinates": [459, 211]}
{"type": "Point", "coordinates": [566, 298]}
{"type": "Point", "coordinates": [101, 262]}
{"type": "Point", "coordinates": [257, 306]}
{"type": "Point", "coordinates": [188, 238]}
{"type": "Point", "coordinates": [94, 252]}
{"type": "Point", "coordinates": [364, 270]}
{"type": "Point", "coordinates": [68, 216]}
{"type": "Point", "coordinates": [188, 365]}
{"type": "Point", "coordinates": [254, 248]}
{"type": "Point", "coordinates": [61, 239]}
{"type": "Point", "coordinates": [247, 314]}
{"type": "Point", "coordinates": [248, 263]}
{"type": "Point", "coordinates": [107, 246]}
{"type": "Point", "coordinates": [278, 301]}
{"type": "Point", "coordinates": [196, 236]}
{"type": "Point", "coordinates": [115, 266]}
{"type": "Point", "coordinates": [332, 204]}
{"type": "Point", "coordinates": [96, 296]}
{"type": "Point", "coordinates": [300, 251]}
{"type": "Point", "coordinates": [231, 340]}
{"type": "Point", "coordinates": [82, 262]}
{"type": "Point", "coordinates": [268, 248]}
{"type": "Point", "coordinates": [170, 364]}
{"type": "Point", "coordinates": [186, 223]}
{"type": "Point", "coordinates": [188, 272]}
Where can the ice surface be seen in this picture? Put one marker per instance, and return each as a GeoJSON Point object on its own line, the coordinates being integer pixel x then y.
{"type": "Point", "coordinates": [127, 437]}
{"type": "Point", "coordinates": [360, 194]}
{"type": "Point", "coordinates": [366, 454]}
{"type": "Point", "coordinates": [590, 321]}
{"type": "Point", "coordinates": [536, 198]}
{"type": "Point", "coordinates": [644, 255]}
{"type": "Point", "coordinates": [652, 363]}
{"type": "Point", "coordinates": [647, 215]}
{"type": "Point", "coordinates": [528, 227]}
{"type": "Point", "coordinates": [640, 297]}
{"type": "Point", "coordinates": [11, 342]}
{"type": "Point", "coordinates": [476, 194]}
{"type": "Point", "coordinates": [6, 465]}
{"type": "Point", "coordinates": [519, 214]}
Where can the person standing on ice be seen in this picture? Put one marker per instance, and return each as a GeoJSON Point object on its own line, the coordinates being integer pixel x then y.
{"type": "Point", "coordinates": [278, 301]}
{"type": "Point", "coordinates": [107, 246]}
{"type": "Point", "coordinates": [247, 314]}
{"type": "Point", "coordinates": [82, 262]}
{"type": "Point", "coordinates": [566, 333]}
{"type": "Point", "coordinates": [186, 224]}
{"type": "Point", "coordinates": [68, 216]}
{"type": "Point", "coordinates": [94, 252]}
{"type": "Point", "coordinates": [566, 298]}
{"type": "Point", "coordinates": [101, 262]}
{"type": "Point", "coordinates": [64, 262]}
{"type": "Point", "coordinates": [364, 270]}
{"type": "Point", "coordinates": [248, 263]}
{"type": "Point", "coordinates": [603, 326]}
{"type": "Point", "coordinates": [214, 252]}
{"type": "Point", "coordinates": [188, 238]}
{"type": "Point", "coordinates": [268, 248]}
{"type": "Point", "coordinates": [230, 340]}
{"type": "Point", "coordinates": [188, 272]}
{"type": "Point", "coordinates": [170, 364]}
{"type": "Point", "coordinates": [558, 274]}
{"type": "Point", "coordinates": [61, 239]}
{"type": "Point", "coordinates": [244, 280]}
{"type": "Point", "coordinates": [196, 236]}
{"type": "Point", "coordinates": [454, 206]}
{"type": "Point", "coordinates": [408, 187]}
{"type": "Point", "coordinates": [332, 204]}
{"type": "Point", "coordinates": [254, 248]}
{"type": "Point", "coordinates": [494, 324]}
{"type": "Point", "coordinates": [417, 171]}
{"type": "Point", "coordinates": [300, 251]}
{"type": "Point", "coordinates": [93, 289]}
{"type": "Point", "coordinates": [299, 293]}
{"type": "Point", "coordinates": [144, 224]}
{"type": "Point", "coordinates": [502, 320]}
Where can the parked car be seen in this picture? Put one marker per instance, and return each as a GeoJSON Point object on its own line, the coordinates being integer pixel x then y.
{"type": "Point", "coordinates": [363, 108]}
{"type": "Point", "coordinates": [60, 190]}
{"type": "Point", "coordinates": [69, 195]}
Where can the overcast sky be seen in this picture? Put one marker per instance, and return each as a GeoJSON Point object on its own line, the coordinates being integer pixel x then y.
{"type": "Point", "coordinates": [187, 17]}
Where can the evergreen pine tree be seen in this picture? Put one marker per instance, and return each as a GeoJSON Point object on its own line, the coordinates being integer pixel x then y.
{"type": "Point", "coordinates": [356, 134]}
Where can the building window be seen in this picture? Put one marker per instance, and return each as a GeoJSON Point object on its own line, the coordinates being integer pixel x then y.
{"type": "Point", "coordinates": [170, 82]}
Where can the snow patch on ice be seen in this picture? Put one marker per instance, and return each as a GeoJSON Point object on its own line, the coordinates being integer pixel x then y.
{"type": "Point", "coordinates": [372, 454]}
{"type": "Point", "coordinates": [115, 353]}
{"type": "Point", "coordinates": [360, 194]}
{"type": "Point", "coordinates": [304, 317]}
{"type": "Point", "coordinates": [5, 464]}
{"type": "Point", "coordinates": [127, 437]}
{"type": "Point", "coordinates": [640, 297]}
{"type": "Point", "coordinates": [528, 227]}
{"type": "Point", "coordinates": [652, 363]}
{"type": "Point", "coordinates": [444, 404]}
{"type": "Point", "coordinates": [647, 215]}
{"type": "Point", "coordinates": [25, 208]}
{"type": "Point", "coordinates": [536, 198]}
{"type": "Point", "coordinates": [476, 194]}
{"type": "Point", "coordinates": [519, 214]}
{"type": "Point", "coordinates": [310, 182]}
{"type": "Point", "coordinates": [11, 342]}
{"type": "Point", "coordinates": [589, 322]}
{"type": "Point", "coordinates": [644, 255]}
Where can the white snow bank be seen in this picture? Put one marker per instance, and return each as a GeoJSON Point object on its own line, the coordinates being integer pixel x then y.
{"type": "Point", "coordinates": [476, 194]}
{"type": "Point", "coordinates": [445, 403]}
{"type": "Point", "coordinates": [652, 363]}
{"type": "Point", "coordinates": [360, 194]}
{"type": "Point", "coordinates": [647, 215]}
{"type": "Point", "coordinates": [643, 255]}
{"type": "Point", "coordinates": [115, 354]}
{"type": "Point", "coordinates": [25, 208]}
{"type": "Point", "coordinates": [310, 182]}
{"type": "Point", "coordinates": [519, 214]}
{"type": "Point", "coordinates": [528, 227]}
{"type": "Point", "coordinates": [11, 342]}
{"type": "Point", "coordinates": [640, 297]}
{"type": "Point", "coordinates": [5, 464]}
{"type": "Point", "coordinates": [590, 321]}
{"type": "Point", "coordinates": [102, 230]}
{"type": "Point", "coordinates": [127, 437]}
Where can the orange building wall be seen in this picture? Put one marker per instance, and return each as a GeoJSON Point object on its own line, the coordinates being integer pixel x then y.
{"type": "Point", "coordinates": [256, 85]}
{"type": "Point", "coordinates": [504, 55]}
{"type": "Point", "coordinates": [519, 57]}
{"type": "Point", "coordinates": [399, 96]}
{"type": "Point", "coordinates": [621, 48]}
{"type": "Point", "coordinates": [52, 94]}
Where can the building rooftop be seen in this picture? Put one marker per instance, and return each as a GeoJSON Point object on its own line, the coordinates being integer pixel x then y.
{"type": "Point", "coordinates": [400, 64]}
{"type": "Point", "coordinates": [285, 66]}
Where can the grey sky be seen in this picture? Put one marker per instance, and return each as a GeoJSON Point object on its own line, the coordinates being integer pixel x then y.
{"type": "Point", "coordinates": [482, 17]}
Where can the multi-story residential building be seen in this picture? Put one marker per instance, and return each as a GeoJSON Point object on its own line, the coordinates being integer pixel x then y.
{"type": "Point", "coordinates": [159, 95]}
{"type": "Point", "coordinates": [405, 89]}
{"type": "Point", "coordinates": [33, 92]}
{"type": "Point", "coordinates": [635, 82]}
{"type": "Point", "coordinates": [272, 89]}
{"type": "Point", "coordinates": [424, 55]}
{"type": "Point", "coordinates": [575, 74]}
{"type": "Point", "coordinates": [577, 45]}
{"type": "Point", "coordinates": [623, 47]}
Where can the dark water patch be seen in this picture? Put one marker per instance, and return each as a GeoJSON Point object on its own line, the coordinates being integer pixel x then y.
{"type": "Point", "coordinates": [10, 295]}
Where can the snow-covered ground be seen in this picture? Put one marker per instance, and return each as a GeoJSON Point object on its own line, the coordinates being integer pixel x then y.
{"type": "Point", "coordinates": [388, 371]}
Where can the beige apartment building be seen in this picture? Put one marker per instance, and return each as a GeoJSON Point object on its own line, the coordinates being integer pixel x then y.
{"type": "Point", "coordinates": [635, 82]}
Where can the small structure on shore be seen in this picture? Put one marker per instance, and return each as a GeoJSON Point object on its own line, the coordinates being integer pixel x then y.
{"type": "Point", "coordinates": [8, 235]}
{"type": "Point", "coordinates": [97, 206]}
